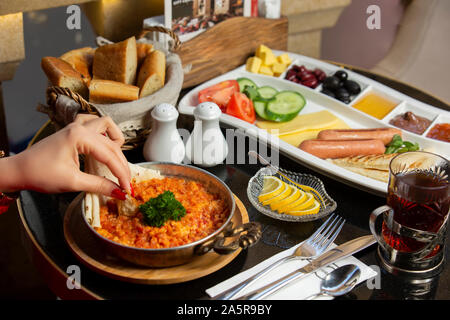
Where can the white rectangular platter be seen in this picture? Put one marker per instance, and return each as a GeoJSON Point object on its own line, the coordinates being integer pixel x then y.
{"type": "Point", "coordinates": [317, 101]}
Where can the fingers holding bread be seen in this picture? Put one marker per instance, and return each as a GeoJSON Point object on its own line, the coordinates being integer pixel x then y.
{"type": "Point", "coordinates": [112, 73]}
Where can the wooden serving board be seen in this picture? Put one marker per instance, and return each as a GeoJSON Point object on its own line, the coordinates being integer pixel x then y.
{"type": "Point", "coordinates": [228, 44]}
{"type": "Point", "coordinates": [89, 251]}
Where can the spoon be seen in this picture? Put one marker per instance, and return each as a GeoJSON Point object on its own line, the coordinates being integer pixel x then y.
{"type": "Point", "coordinates": [339, 282]}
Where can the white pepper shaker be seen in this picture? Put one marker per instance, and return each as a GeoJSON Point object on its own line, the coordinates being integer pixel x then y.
{"type": "Point", "coordinates": [206, 146]}
{"type": "Point", "coordinates": [164, 143]}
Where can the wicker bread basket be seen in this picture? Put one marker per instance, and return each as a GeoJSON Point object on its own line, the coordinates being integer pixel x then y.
{"type": "Point", "coordinates": [133, 117]}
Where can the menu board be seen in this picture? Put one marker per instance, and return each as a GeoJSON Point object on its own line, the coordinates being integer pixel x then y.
{"type": "Point", "coordinates": [189, 18]}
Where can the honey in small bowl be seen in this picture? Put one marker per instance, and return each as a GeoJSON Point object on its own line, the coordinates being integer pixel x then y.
{"type": "Point", "coordinates": [375, 105]}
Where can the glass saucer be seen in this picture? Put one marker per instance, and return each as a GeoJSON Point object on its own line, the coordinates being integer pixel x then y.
{"type": "Point", "coordinates": [255, 186]}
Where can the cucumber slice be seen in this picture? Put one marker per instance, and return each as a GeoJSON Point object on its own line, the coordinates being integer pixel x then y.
{"type": "Point", "coordinates": [260, 108]}
{"type": "Point", "coordinates": [285, 106]}
{"type": "Point", "coordinates": [251, 92]}
{"type": "Point", "coordinates": [267, 92]}
{"type": "Point", "coordinates": [243, 82]}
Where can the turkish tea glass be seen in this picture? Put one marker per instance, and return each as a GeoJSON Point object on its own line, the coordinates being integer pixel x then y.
{"type": "Point", "coordinates": [413, 229]}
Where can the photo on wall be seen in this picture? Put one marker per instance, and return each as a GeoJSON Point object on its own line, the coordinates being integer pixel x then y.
{"type": "Point", "coordinates": [189, 18]}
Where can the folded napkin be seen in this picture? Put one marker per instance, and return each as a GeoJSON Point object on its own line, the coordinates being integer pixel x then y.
{"type": "Point", "coordinates": [296, 290]}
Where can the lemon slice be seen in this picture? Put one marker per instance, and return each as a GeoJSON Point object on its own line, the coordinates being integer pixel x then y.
{"type": "Point", "coordinates": [272, 187]}
{"type": "Point", "coordinates": [313, 209]}
{"type": "Point", "coordinates": [307, 203]}
{"type": "Point", "coordinates": [314, 191]}
{"type": "Point", "coordinates": [294, 195]}
{"type": "Point", "coordinates": [302, 198]}
{"type": "Point", "coordinates": [286, 192]}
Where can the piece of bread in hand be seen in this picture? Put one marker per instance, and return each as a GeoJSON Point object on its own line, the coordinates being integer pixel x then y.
{"type": "Point", "coordinates": [108, 91]}
{"type": "Point", "coordinates": [143, 49]}
{"type": "Point", "coordinates": [60, 73]}
{"type": "Point", "coordinates": [81, 60]}
{"type": "Point", "coordinates": [116, 62]}
{"type": "Point", "coordinates": [152, 73]}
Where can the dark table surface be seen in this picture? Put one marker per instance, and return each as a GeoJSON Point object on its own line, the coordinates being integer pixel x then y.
{"type": "Point", "coordinates": [42, 214]}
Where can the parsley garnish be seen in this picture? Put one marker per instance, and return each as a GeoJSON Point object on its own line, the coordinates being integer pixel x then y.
{"type": "Point", "coordinates": [157, 211]}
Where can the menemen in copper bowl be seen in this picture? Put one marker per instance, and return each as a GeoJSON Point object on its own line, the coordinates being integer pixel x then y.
{"type": "Point", "coordinates": [123, 228]}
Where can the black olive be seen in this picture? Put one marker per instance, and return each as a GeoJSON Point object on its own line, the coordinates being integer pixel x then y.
{"type": "Point", "coordinates": [341, 75]}
{"type": "Point", "coordinates": [342, 94]}
{"type": "Point", "coordinates": [345, 100]}
{"type": "Point", "coordinates": [342, 91]}
{"type": "Point", "coordinates": [331, 83]}
{"type": "Point", "coordinates": [352, 87]}
{"type": "Point", "coordinates": [328, 93]}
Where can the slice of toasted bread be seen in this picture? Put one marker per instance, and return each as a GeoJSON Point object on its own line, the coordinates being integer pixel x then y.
{"type": "Point", "coordinates": [152, 73]}
{"type": "Point", "coordinates": [380, 175]}
{"type": "Point", "coordinates": [108, 91]}
{"type": "Point", "coordinates": [143, 49]}
{"type": "Point", "coordinates": [61, 73]}
{"type": "Point", "coordinates": [81, 60]}
{"type": "Point", "coordinates": [116, 62]}
{"type": "Point", "coordinates": [379, 162]}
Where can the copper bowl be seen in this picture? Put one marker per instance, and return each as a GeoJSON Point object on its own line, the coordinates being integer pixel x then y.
{"type": "Point", "coordinates": [182, 254]}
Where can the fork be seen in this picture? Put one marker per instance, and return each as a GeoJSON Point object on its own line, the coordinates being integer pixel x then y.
{"type": "Point", "coordinates": [315, 245]}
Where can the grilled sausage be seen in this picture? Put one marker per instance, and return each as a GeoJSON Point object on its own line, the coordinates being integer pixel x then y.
{"type": "Point", "coordinates": [332, 149]}
{"type": "Point", "coordinates": [383, 134]}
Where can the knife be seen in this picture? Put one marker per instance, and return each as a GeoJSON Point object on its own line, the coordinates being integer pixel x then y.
{"type": "Point", "coordinates": [332, 255]}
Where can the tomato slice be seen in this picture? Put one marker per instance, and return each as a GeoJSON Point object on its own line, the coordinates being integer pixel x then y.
{"type": "Point", "coordinates": [219, 93]}
{"type": "Point", "coordinates": [240, 106]}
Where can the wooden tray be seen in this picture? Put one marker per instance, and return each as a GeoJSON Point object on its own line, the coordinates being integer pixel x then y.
{"type": "Point", "coordinates": [228, 44]}
{"type": "Point", "coordinates": [87, 249]}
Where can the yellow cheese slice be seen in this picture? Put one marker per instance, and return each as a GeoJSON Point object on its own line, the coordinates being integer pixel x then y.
{"type": "Point", "coordinates": [296, 138]}
{"type": "Point", "coordinates": [310, 121]}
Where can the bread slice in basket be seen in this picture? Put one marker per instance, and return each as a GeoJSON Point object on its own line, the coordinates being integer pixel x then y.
{"type": "Point", "coordinates": [143, 50]}
{"type": "Point", "coordinates": [107, 91]}
{"type": "Point", "coordinates": [116, 62]}
{"type": "Point", "coordinates": [81, 60]}
{"type": "Point", "coordinates": [152, 73]}
{"type": "Point", "coordinates": [61, 73]}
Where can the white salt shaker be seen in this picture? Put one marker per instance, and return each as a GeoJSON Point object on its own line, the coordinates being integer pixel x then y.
{"type": "Point", "coordinates": [206, 146]}
{"type": "Point", "coordinates": [164, 143]}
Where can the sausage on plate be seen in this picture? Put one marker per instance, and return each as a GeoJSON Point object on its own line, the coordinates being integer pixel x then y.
{"type": "Point", "coordinates": [333, 149]}
{"type": "Point", "coordinates": [383, 134]}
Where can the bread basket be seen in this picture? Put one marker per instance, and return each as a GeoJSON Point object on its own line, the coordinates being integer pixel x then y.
{"type": "Point", "coordinates": [132, 117]}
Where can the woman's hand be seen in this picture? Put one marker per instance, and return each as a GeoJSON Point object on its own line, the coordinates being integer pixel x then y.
{"type": "Point", "coordinates": [52, 164]}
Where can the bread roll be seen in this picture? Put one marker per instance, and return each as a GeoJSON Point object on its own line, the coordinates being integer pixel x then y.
{"type": "Point", "coordinates": [81, 60]}
{"type": "Point", "coordinates": [108, 91]}
{"type": "Point", "coordinates": [60, 73]}
{"type": "Point", "coordinates": [152, 73]}
{"type": "Point", "coordinates": [143, 49]}
{"type": "Point", "coordinates": [116, 62]}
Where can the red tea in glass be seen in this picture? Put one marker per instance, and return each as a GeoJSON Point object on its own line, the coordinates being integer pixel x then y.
{"type": "Point", "coordinates": [419, 198]}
